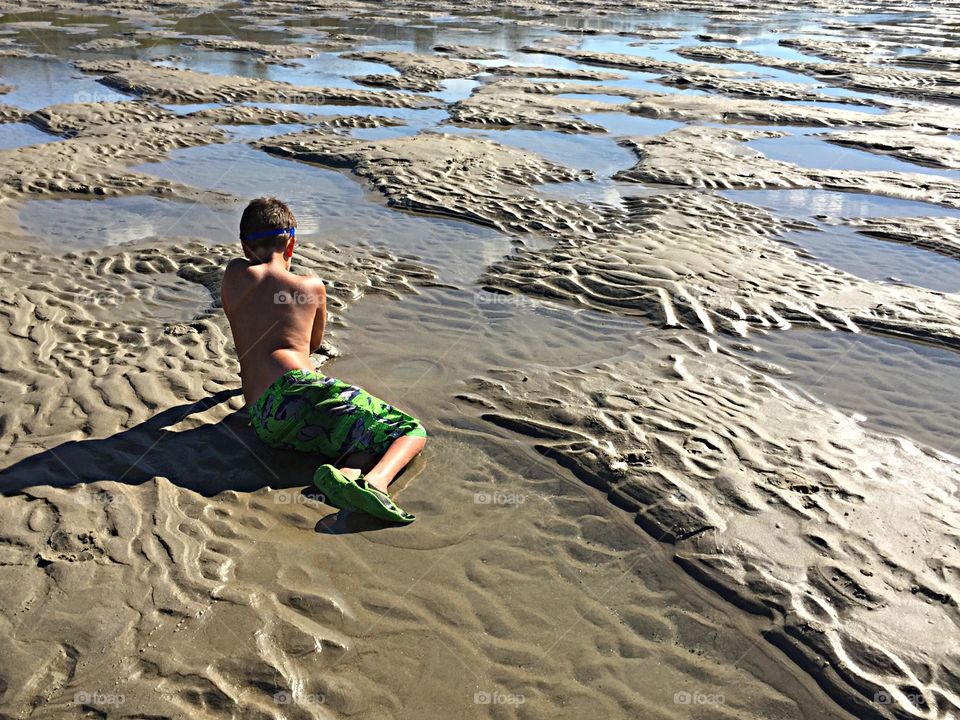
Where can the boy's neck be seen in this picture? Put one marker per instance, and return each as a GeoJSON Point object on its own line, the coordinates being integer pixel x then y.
{"type": "Point", "coordinates": [275, 260]}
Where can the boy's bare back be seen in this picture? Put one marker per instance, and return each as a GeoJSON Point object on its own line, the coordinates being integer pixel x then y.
{"type": "Point", "coordinates": [277, 319]}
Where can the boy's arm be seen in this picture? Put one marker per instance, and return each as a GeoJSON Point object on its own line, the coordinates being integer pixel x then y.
{"type": "Point", "coordinates": [320, 319]}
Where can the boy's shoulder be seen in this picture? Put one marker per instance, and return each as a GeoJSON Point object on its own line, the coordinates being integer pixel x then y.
{"type": "Point", "coordinates": [241, 270]}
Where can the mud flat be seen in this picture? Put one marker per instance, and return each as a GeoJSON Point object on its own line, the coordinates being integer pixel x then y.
{"type": "Point", "coordinates": [678, 466]}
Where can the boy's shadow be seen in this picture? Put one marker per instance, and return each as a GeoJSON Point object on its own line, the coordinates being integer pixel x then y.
{"type": "Point", "coordinates": [207, 459]}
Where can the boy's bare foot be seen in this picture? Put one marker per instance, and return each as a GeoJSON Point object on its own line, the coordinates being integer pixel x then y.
{"type": "Point", "coordinates": [351, 473]}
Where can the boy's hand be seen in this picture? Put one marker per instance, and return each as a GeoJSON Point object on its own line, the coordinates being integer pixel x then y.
{"type": "Point", "coordinates": [320, 319]}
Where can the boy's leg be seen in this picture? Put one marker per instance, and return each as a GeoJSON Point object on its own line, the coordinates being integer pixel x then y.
{"type": "Point", "coordinates": [396, 458]}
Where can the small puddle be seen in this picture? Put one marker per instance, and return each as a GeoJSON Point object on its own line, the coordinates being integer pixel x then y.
{"type": "Point", "coordinates": [43, 82]}
{"type": "Point", "coordinates": [901, 387]}
{"type": "Point", "coordinates": [620, 124]}
{"type": "Point", "coordinates": [583, 152]}
{"type": "Point", "coordinates": [455, 89]}
{"type": "Point", "coordinates": [16, 135]}
{"type": "Point", "coordinates": [815, 152]}
{"type": "Point", "coordinates": [598, 97]}
{"type": "Point", "coordinates": [878, 260]}
{"type": "Point", "coordinates": [331, 206]}
{"type": "Point", "coordinates": [81, 224]}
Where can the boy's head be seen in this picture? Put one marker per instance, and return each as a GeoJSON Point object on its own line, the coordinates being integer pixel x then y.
{"type": "Point", "coordinates": [267, 227]}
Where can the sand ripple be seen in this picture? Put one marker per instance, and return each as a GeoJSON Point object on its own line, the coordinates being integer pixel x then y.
{"type": "Point", "coordinates": [785, 508]}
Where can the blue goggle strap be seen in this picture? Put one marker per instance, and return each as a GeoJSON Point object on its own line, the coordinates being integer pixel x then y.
{"type": "Point", "coordinates": [269, 233]}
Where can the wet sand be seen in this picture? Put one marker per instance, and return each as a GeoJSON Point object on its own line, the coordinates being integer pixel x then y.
{"type": "Point", "coordinates": [673, 288]}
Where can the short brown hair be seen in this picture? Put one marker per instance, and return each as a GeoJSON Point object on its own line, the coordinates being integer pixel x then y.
{"type": "Point", "coordinates": [262, 215]}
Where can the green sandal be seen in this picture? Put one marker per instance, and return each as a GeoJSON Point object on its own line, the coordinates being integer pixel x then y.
{"type": "Point", "coordinates": [357, 495]}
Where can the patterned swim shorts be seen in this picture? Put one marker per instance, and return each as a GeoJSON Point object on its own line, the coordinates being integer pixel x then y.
{"type": "Point", "coordinates": [307, 411]}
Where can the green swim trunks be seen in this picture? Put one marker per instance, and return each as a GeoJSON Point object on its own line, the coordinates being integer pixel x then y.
{"type": "Point", "coordinates": [307, 411]}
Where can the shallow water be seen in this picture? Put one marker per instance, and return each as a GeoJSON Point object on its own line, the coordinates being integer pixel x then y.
{"type": "Point", "coordinates": [585, 152]}
{"type": "Point", "coordinates": [905, 388]}
{"type": "Point", "coordinates": [330, 206]}
{"type": "Point", "coordinates": [874, 259]}
{"type": "Point", "coordinates": [811, 203]}
{"type": "Point", "coordinates": [324, 70]}
{"type": "Point", "coordinates": [14, 135]}
{"type": "Point", "coordinates": [628, 124]}
{"type": "Point", "coordinates": [815, 152]}
{"type": "Point", "coordinates": [102, 222]}
{"type": "Point", "coordinates": [41, 82]}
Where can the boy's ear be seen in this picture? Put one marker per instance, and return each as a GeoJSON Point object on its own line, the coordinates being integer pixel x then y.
{"type": "Point", "coordinates": [288, 250]}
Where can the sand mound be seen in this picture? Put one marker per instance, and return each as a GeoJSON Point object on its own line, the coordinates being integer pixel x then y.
{"type": "Point", "coordinates": [9, 114]}
{"type": "Point", "coordinates": [632, 62]}
{"type": "Point", "coordinates": [700, 261]}
{"type": "Point", "coordinates": [468, 52]}
{"type": "Point", "coordinates": [73, 119]}
{"type": "Point", "coordinates": [417, 72]}
{"type": "Point", "coordinates": [761, 89]}
{"type": "Point", "coordinates": [174, 85]}
{"type": "Point", "coordinates": [264, 52]}
{"type": "Point", "coordinates": [708, 108]}
{"type": "Point", "coordinates": [854, 75]}
{"type": "Point", "coordinates": [935, 58]}
{"type": "Point", "coordinates": [716, 158]}
{"type": "Point", "coordinates": [452, 175]}
{"type": "Point", "coordinates": [106, 45]}
{"type": "Point", "coordinates": [96, 162]}
{"type": "Point", "coordinates": [246, 115]}
{"type": "Point", "coordinates": [529, 105]}
{"type": "Point", "coordinates": [534, 71]}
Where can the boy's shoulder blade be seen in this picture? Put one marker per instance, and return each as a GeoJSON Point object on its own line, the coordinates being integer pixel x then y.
{"type": "Point", "coordinates": [236, 263]}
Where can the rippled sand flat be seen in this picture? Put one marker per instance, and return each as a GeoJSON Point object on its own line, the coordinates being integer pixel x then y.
{"type": "Point", "coordinates": [673, 286]}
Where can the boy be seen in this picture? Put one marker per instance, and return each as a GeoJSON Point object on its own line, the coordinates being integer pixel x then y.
{"type": "Point", "coordinates": [277, 319]}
